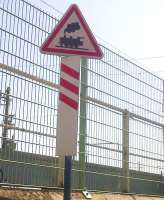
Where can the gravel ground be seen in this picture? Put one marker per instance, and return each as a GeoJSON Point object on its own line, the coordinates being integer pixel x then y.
{"type": "Point", "coordinates": [15, 194]}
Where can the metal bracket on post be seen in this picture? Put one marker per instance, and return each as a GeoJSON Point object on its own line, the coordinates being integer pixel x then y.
{"type": "Point", "coordinates": [125, 152]}
{"type": "Point", "coordinates": [87, 195]}
{"type": "Point", "coordinates": [82, 124]}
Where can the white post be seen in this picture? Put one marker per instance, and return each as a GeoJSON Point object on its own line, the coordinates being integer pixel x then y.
{"type": "Point", "coordinates": [67, 120]}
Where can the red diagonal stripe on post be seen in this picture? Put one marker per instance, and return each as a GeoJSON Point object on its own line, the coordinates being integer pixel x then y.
{"type": "Point", "coordinates": [69, 86]}
{"type": "Point", "coordinates": [70, 102]}
{"type": "Point", "coordinates": [68, 70]}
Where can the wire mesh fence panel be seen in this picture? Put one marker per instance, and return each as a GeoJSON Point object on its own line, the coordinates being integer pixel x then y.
{"type": "Point", "coordinates": [116, 84]}
{"type": "Point", "coordinates": [120, 136]}
{"type": "Point", "coordinates": [29, 125]}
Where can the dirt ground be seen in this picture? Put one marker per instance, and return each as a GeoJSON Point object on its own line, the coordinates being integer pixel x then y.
{"type": "Point", "coordinates": [15, 194]}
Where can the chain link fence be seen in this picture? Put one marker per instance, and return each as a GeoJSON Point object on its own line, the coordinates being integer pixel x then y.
{"type": "Point", "coordinates": [120, 137]}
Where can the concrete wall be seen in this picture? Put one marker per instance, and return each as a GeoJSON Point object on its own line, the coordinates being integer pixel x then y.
{"type": "Point", "coordinates": [43, 173]}
{"type": "Point", "coordinates": [140, 182]}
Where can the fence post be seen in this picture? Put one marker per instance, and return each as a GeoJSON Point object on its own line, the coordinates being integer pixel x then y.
{"type": "Point", "coordinates": [82, 124]}
{"type": "Point", "coordinates": [125, 152]}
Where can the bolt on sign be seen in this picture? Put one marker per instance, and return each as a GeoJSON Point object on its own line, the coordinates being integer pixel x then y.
{"type": "Point", "coordinates": [73, 38]}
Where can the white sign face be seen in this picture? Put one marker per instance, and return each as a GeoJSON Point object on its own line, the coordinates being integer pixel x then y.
{"type": "Point", "coordinates": [67, 121]}
{"type": "Point", "coordinates": [72, 36]}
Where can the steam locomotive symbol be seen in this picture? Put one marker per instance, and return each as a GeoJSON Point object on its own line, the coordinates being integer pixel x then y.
{"type": "Point", "coordinates": [68, 40]}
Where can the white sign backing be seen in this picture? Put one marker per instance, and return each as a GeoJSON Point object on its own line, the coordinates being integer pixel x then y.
{"type": "Point", "coordinates": [67, 121]}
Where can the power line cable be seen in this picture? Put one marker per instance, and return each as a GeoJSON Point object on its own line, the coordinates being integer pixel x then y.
{"type": "Point", "coordinates": [52, 7]}
{"type": "Point", "coordinates": [147, 58]}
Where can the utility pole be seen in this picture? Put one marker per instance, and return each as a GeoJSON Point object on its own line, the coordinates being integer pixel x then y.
{"type": "Point", "coordinates": [7, 120]}
{"type": "Point", "coordinates": [5, 129]}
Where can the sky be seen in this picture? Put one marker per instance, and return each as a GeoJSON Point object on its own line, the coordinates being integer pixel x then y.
{"type": "Point", "coordinates": [135, 27]}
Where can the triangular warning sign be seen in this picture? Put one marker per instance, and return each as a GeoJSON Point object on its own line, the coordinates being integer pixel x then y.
{"type": "Point", "coordinates": [72, 36]}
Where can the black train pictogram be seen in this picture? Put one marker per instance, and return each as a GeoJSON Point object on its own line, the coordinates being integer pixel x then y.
{"type": "Point", "coordinates": [71, 42]}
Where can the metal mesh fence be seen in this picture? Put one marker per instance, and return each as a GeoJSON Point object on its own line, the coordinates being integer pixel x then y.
{"type": "Point", "coordinates": [32, 104]}
{"type": "Point", "coordinates": [120, 83]}
{"type": "Point", "coordinates": [109, 88]}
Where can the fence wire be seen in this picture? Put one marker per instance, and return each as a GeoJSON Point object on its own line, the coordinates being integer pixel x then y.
{"type": "Point", "coordinates": [28, 113]}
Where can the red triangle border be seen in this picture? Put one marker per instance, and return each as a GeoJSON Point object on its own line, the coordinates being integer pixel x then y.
{"type": "Point", "coordinates": [95, 54]}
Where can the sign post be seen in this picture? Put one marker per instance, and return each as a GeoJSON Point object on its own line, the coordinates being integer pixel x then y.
{"type": "Point", "coordinates": [67, 122]}
{"type": "Point", "coordinates": [73, 39]}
